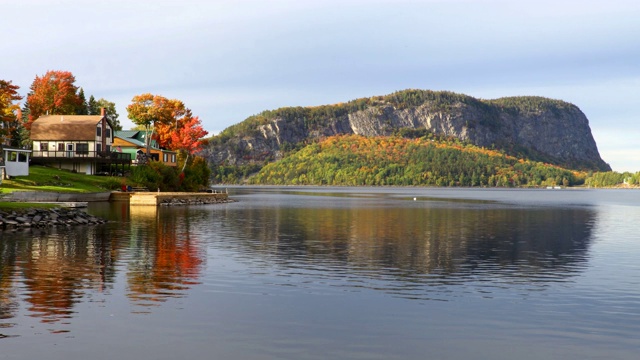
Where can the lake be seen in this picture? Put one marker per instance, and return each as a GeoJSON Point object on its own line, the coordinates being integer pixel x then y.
{"type": "Point", "coordinates": [333, 273]}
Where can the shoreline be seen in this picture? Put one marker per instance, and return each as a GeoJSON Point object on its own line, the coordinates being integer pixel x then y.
{"type": "Point", "coordinates": [45, 218]}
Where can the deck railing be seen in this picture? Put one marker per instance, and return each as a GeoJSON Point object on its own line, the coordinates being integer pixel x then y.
{"type": "Point", "coordinates": [81, 154]}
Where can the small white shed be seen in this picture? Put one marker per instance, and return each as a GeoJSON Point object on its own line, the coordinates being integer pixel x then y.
{"type": "Point", "coordinates": [15, 161]}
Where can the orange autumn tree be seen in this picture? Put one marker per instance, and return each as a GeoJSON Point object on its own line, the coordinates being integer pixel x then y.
{"type": "Point", "coordinates": [164, 130]}
{"type": "Point", "coordinates": [55, 93]}
{"type": "Point", "coordinates": [188, 137]}
{"type": "Point", "coordinates": [150, 112]}
{"type": "Point", "coordinates": [8, 110]}
{"type": "Point", "coordinates": [169, 122]}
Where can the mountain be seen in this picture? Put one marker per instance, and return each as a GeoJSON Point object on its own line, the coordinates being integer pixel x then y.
{"type": "Point", "coordinates": [536, 128]}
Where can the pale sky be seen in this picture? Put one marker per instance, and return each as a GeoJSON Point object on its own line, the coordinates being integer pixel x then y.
{"type": "Point", "coordinates": [227, 60]}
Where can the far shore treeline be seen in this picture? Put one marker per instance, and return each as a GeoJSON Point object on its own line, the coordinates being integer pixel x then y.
{"type": "Point", "coordinates": [406, 157]}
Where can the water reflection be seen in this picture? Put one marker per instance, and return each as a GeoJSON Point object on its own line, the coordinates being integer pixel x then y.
{"type": "Point", "coordinates": [417, 250]}
{"type": "Point", "coordinates": [167, 258]}
{"type": "Point", "coordinates": [397, 248]}
{"type": "Point", "coordinates": [52, 270]}
{"type": "Point", "coordinates": [8, 298]}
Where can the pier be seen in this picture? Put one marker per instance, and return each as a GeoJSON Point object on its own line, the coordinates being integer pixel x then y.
{"type": "Point", "coordinates": [149, 198]}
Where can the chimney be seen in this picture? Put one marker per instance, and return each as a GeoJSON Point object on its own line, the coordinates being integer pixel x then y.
{"type": "Point", "coordinates": [104, 129]}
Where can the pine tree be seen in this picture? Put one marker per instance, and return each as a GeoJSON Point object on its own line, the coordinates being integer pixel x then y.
{"type": "Point", "coordinates": [82, 104]}
{"type": "Point", "coordinates": [92, 106]}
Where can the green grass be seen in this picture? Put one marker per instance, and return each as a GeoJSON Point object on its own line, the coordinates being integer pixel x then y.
{"type": "Point", "coordinates": [18, 206]}
{"type": "Point", "coordinates": [43, 178]}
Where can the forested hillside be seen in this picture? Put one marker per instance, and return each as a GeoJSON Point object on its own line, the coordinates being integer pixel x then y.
{"type": "Point", "coordinates": [534, 128]}
{"type": "Point", "coordinates": [359, 160]}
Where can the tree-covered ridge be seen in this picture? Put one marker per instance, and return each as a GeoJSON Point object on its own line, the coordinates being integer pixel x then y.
{"type": "Point", "coordinates": [530, 104]}
{"type": "Point", "coordinates": [437, 101]}
{"type": "Point", "coordinates": [357, 160]}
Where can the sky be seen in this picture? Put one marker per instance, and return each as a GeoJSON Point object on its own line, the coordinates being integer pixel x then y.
{"type": "Point", "coordinates": [228, 60]}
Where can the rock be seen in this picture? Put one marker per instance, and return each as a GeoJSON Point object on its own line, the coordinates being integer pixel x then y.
{"type": "Point", "coordinates": [547, 130]}
{"type": "Point", "coordinates": [47, 218]}
{"type": "Point", "coordinates": [80, 220]}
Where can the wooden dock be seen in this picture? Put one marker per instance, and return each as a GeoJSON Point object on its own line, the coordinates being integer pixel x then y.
{"type": "Point", "coordinates": [150, 198]}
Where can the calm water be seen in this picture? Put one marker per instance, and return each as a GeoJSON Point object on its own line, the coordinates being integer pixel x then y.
{"type": "Point", "coordinates": [333, 273]}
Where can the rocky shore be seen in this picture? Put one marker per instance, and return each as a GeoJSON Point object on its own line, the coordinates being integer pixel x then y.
{"type": "Point", "coordinates": [41, 218]}
{"type": "Point", "coordinates": [176, 201]}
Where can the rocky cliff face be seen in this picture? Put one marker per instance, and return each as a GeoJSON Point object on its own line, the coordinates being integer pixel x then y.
{"type": "Point", "coordinates": [542, 129]}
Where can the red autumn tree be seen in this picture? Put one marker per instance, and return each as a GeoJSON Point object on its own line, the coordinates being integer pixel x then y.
{"type": "Point", "coordinates": [188, 138]}
{"type": "Point", "coordinates": [8, 109]}
{"type": "Point", "coordinates": [55, 93]}
{"type": "Point", "coordinates": [169, 122]}
{"type": "Point", "coordinates": [164, 130]}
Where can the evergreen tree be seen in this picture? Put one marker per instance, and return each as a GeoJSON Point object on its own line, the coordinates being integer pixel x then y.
{"type": "Point", "coordinates": [110, 110]}
{"type": "Point", "coordinates": [92, 106]}
{"type": "Point", "coordinates": [82, 104]}
{"type": "Point", "coordinates": [21, 135]}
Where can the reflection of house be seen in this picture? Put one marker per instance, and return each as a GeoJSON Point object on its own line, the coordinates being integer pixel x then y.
{"type": "Point", "coordinates": [80, 143]}
{"type": "Point", "coordinates": [14, 162]}
{"type": "Point", "coordinates": [133, 142]}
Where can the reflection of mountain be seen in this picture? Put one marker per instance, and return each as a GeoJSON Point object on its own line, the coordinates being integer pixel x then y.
{"type": "Point", "coordinates": [450, 242]}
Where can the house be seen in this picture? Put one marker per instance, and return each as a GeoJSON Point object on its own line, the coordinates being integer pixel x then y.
{"type": "Point", "coordinates": [80, 143]}
{"type": "Point", "coordinates": [133, 142]}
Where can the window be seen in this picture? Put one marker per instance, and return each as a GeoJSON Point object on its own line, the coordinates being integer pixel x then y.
{"type": "Point", "coordinates": [165, 157]}
{"type": "Point", "coordinates": [60, 146]}
{"type": "Point", "coordinates": [13, 156]}
{"type": "Point", "coordinates": [22, 157]}
{"type": "Point", "coordinates": [98, 131]}
{"type": "Point", "coordinates": [82, 149]}
{"type": "Point", "coordinates": [173, 158]}
{"type": "Point", "coordinates": [108, 147]}
{"type": "Point", "coordinates": [44, 146]}
{"type": "Point", "coordinates": [107, 132]}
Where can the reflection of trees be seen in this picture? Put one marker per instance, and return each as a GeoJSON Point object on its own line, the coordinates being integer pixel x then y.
{"type": "Point", "coordinates": [58, 267]}
{"type": "Point", "coordinates": [445, 241]}
{"type": "Point", "coordinates": [8, 302]}
{"type": "Point", "coordinates": [168, 259]}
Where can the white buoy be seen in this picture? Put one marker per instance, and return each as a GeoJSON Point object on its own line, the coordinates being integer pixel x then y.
{"type": "Point", "coordinates": [414, 199]}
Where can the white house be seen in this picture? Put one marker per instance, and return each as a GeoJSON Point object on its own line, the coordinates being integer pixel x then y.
{"type": "Point", "coordinates": [80, 143]}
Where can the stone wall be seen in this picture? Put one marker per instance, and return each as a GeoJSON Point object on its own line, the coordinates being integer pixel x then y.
{"type": "Point", "coordinates": [166, 199]}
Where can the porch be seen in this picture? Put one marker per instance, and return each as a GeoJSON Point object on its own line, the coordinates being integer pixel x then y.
{"type": "Point", "coordinates": [84, 161]}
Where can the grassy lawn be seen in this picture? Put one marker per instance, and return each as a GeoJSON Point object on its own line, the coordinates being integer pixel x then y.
{"type": "Point", "coordinates": [18, 206]}
{"type": "Point", "coordinates": [51, 179]}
